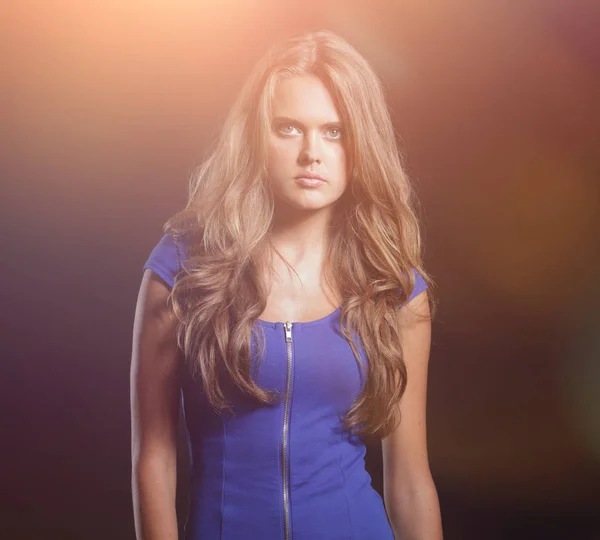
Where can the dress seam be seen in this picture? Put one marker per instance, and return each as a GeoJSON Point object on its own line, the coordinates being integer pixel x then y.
{"type": "Point", "coordinates": [349, 514]}
{"type": "Point", "coordinates": [223, 458]}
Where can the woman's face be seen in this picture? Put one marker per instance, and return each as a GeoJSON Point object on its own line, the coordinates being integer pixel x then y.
{"type": "Point", "coordinates": [306, 138]}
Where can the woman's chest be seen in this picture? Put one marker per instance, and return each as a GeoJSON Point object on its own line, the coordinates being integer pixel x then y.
{"type": "Point", "coordinates": [311, 364]}
{"type": "Point", "coordinates": [309, 301]}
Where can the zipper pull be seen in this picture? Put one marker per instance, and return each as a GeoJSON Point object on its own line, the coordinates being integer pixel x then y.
{"type": "Point", "coordinates": [288, 331]}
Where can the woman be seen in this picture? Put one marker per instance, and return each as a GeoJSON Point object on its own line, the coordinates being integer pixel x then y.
{"type": "Point", "coordinates": [288, 303]}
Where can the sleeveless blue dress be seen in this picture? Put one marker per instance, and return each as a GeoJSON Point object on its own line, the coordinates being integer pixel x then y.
{"type": "Point", "coordinates": [286, 471]}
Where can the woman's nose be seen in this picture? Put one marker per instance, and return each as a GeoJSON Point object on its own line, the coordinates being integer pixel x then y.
{"type": "Point", "coordinates": [310, 152]}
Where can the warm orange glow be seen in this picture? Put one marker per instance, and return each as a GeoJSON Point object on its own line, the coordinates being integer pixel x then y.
{"type": "Point", "coordinates": [110, 105]}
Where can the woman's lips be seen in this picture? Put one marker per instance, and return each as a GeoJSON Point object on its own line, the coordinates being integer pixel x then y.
{"type": "Point", "coordinates": [309, 182]}
{"type": "Point", "coordinates": [310, 179]}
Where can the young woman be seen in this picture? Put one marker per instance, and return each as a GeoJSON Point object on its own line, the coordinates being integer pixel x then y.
{"type": "Point", "coordinates": [288, 303]}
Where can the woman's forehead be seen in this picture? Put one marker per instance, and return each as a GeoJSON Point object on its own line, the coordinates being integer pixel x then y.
{"type": "Point", "coordinates": [304, 98]}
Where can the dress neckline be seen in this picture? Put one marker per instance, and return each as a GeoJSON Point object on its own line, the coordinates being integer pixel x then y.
{"type": "Point", "coordinates": [322, 320]}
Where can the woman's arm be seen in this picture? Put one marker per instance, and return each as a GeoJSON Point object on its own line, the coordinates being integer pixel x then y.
{"type": "Point", "coordinates": [410, 496]}
{"type": "Point", "coordinates": [155, 386]}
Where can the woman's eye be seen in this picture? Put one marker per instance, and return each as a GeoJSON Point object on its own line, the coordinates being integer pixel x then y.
{"type": "Point", "coordinates": [287, 129]}
{"type": "Point", "coordinates": [334, 133]}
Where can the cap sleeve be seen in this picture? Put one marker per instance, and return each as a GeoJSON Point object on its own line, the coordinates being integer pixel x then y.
{"type": "Point", "coordinates": [420, 285]}
{"type": "Point", "coordinates": [164, 260]}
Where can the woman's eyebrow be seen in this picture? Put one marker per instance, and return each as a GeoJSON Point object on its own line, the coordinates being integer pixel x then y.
{"type": "Point", "coordinates": [284, 119]}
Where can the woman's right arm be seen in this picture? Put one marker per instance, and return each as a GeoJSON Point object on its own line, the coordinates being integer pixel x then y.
{"type": "Point", "coordinates": [155, 387]}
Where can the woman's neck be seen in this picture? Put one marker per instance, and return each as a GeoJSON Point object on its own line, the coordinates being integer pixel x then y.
{"type": "Point", "coordinates": [300, 235]}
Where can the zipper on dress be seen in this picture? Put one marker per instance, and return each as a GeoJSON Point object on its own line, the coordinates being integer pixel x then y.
{"type": "Point", "coordinates": [285, 435]}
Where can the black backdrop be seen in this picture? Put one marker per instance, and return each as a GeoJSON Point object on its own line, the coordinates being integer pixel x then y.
{"type": "Point", "coordinates": [107, 108]}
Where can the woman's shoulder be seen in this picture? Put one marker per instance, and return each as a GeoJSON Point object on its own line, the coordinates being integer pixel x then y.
{"type": "Point", "coordinates": [420, 285]}
{"type": "Point", "coordinates": [165, 258]}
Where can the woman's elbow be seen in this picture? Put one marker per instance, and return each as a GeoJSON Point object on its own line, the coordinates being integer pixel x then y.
{"type": "Point", "coordinates": [414, 511]}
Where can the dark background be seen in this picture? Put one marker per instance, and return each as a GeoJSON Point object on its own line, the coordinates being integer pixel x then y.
{"type": "Point", "coordinates": [107, 107]}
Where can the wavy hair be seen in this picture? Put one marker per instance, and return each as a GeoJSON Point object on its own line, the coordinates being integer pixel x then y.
{"type": "Point", "coordinates": [373, 246]}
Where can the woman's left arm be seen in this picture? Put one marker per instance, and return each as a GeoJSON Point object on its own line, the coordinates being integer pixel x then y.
{"type": "Point", "coordinates": [410, 496]}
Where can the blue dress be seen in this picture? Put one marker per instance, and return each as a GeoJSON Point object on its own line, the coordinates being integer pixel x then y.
{"type": "Point", "coordinates": [285, 471]}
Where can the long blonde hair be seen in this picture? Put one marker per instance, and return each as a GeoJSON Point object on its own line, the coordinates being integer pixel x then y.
{"type": "Point", "coordinates": [374, 239]}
